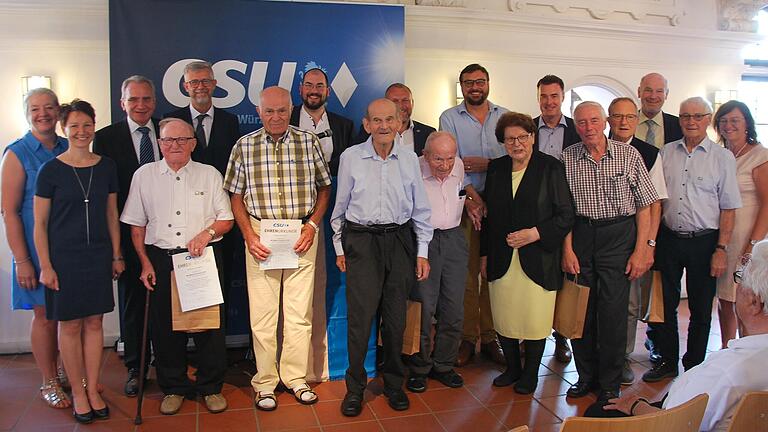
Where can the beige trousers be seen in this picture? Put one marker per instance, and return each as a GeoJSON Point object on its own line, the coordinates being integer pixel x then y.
{"type": "Point", "coordinates": [264, 298]}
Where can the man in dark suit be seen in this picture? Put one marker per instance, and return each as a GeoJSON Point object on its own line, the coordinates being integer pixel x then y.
{"type": "Point", "coordinates": [554, 133]}
{"type": "Point", "coordinates": [411, 133]}
{"type": "Point", "coordinates": [311, 115]}
{"type": "Point", "coordinates": [131, 143]}
{"type": "Point", "coordinates": [655, 126]}
{"type": "Point", "coordinates": [216, 129]}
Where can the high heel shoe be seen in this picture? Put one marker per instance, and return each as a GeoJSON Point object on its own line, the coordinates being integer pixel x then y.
{"type": "Point", "coordinates": [83, 418]}
{"type": "Point", "coordinates": [96, 414]}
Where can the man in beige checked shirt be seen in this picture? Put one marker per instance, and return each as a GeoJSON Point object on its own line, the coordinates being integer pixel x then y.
{"type": "Point", "coordinates": [278, 172]}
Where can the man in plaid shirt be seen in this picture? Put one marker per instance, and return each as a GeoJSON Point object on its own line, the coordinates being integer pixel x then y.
{"type": "Point", "coordinates": [278, 172]}
{"type": "Point", "coordinates": [608, 245]}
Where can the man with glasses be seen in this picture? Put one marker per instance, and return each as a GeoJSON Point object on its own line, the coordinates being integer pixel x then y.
{"type": "Point", "coordinates": [656, 127]}
{"type": "Point", "coordinates": [178, 205]}
{"type": "Point", "coordinates": [622, 117]}
{"type": "Point", "coordinates": [278, 172]}
{"type": "Point", "coordinates": [473, 124]}
{"type": "Point", "coordinates": [131, 143]}
{"type": "Point", "coordinates": [312, 116]}
{"type": "Point", "coordinates": [697, 222]}
{"type": "Point", "coordinates": [612, 193]}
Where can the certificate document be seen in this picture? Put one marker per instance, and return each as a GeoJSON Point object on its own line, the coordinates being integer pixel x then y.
{"type": "Point", "coordinates": [280, 236]}
{"type": "Point", "coordinates": [197, 279]}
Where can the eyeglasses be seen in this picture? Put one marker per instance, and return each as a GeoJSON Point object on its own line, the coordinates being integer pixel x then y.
{"type": "Point", "coordinates": [471, 83]}
{"type": "Point", "coordinates": [620, 117]}
{"type": "Point", "coordinates": [269, 112]}
{"type": "Point", "coordinates": [739, 273]}
{"type": "Point", "coordinates": [310, 86]}
{"type": "Point", "coordinates": [196, 82]}
{"type": "Point", "coordinates": [697, 116]}
{"type": "Point", "coordinates": [522, 139]}
{"type": "Point", "coordinates": [733, 122]}
{"type": "Point", "coordinates": [181, 141]}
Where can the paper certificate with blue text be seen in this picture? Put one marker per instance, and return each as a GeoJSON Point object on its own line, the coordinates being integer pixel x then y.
{"type": "Point", "coordinates": [197, 279]}
{"type": "Point", "coordinates": [280, 236]}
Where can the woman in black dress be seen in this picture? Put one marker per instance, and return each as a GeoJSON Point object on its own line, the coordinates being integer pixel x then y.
{"type": "Point", "coordinates": [77, 238]}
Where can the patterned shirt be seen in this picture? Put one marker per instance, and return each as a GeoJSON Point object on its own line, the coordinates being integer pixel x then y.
{"type": "Point", "coordinates": [616, 185]}
{"type": "Point", "coordinates": [278, 180]}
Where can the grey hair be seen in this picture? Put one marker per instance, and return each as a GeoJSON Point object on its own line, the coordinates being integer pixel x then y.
{"type": "Point", "coordinates": [166, 121]}
{"type": "Point", "coordinates": [593, 104]}
{"type": "Point", "coordinates": [755, 276]}
{"type": "Point", "coordinates": [622, 99]}
{"type": "Point", "coordinates": [437, 135]}
{"type": "Point", "coordinates": [138, 79]}
{"type": "Point", "coordinates": [36, 92]}
{"type": "Point", "coordinates": [698, 100]}
{"type": "Point", "coordinates": [198, 66]}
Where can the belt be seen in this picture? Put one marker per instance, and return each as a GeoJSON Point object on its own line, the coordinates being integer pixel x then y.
{"type": "Point", "coordinates": [376, 229]}
{"type": "Point", "coordinates": [690, 234]}
{"type": "Point", "coordinates": [447, 230]}
{"type": "Point", "coordinates": [303, 220]}
{"type": "Point", "coordinates": [602, 222]}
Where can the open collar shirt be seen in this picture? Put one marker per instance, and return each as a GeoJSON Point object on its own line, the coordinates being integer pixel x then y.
{"type": "Point", "coordinates": [551, 139]}
{"type": "Point", "coordinates": [445, 196]}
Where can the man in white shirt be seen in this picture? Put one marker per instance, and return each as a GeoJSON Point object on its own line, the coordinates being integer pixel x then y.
{"type": "Point", "coordinates": [176, 205]}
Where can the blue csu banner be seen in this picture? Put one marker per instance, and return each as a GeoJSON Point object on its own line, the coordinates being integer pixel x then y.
{"type": "Point", "coordinates": [255, 44]}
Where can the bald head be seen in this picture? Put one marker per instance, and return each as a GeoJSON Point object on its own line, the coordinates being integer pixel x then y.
{"type": "Point", "coordinates": [381, 121]}
{"type": "Point", "coordinates": [275, 110]}
{"type": "Point", "coordinates": [652, 93]}
{"type": "Point", "coordinates": [440, 154]}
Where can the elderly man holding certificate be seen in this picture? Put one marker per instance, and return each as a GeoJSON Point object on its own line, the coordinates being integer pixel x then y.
{"type": "Point", "coordinates": [177, 206]}
{"type": "Point", "coordinates": [280, 187]}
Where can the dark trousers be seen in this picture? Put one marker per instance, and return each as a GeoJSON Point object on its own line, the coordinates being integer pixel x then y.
{"type": "Point", "coordinates": [603, 252]}
{"type": "Point", "coordinates": [131, 296]}
{"type": "Point", "coordinates": [171, 346]}
{"type": "Point", "coordinates": [674, 254]}
{"type": "Point", "coordinates": [381, 270]}
{"type": "Point", "coordinates": [442, 297]}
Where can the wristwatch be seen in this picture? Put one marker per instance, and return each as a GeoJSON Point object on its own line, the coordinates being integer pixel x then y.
{"type": "Point", "coordinates": [651, 242]}
{"type": "Point", "coordinates": [753, 242]}
{"type": "Point", "coordinates": [722, 246]}
{"type": "Point", "coordinates": [212, 232]}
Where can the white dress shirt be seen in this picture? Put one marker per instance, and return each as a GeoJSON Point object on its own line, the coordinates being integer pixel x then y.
{"type": "Point", "coordinates": [175, 206]}
{"type": "Point", "coordinates": [657, 176]}
{"type": "Point", "coordinates": [307, 123]}
{"type": "Point", "coordinates": [136, 138]}
{"type": "Point", "coordinates": [406, 138]}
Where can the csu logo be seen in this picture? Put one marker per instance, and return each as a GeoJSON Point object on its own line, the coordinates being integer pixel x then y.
{"type": "Point", "coordinates": [343, 83]}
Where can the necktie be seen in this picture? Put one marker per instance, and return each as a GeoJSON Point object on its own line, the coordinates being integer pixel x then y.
{"type": "Point", "coordinates": [146, 155]}
{"type": "Point", "coordinates": [200, 132]}
{"type": "Point", "coordinates": [650, 137]}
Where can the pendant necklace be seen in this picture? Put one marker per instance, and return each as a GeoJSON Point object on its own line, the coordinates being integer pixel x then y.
{"type": "Point", "coordinates": [738, 153]}
{"type": "Point", "coordinates": [86, 194]}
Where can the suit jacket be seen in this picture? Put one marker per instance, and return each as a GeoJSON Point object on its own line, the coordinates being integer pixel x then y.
{"type": "Point", "coordinates": [420, 134]}
{"type": "Point", "coordinates": [647, 151]}
{"type": "Point", "coordinates": [672, 130]}
{"type": "Point", "coordinates": [543, 200]}
{"type": "Point", "coordinates": [343, 130]}
{"type": "Point", "coordinates": [570, 136]}
{"type": "Point", "coordinates": [224, 134]}
{"type": "Point", "coordinates": [115, 142]}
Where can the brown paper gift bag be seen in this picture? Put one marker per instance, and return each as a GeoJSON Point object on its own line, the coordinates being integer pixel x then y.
{"type": "Point", "coordinates": [412, 333]}
{"type": "Point", "coordinates": [571, 309]}
{"type": "Point", "coordinates": [653, 301]}
{"type": "Point", "coordinates": [193, 321]}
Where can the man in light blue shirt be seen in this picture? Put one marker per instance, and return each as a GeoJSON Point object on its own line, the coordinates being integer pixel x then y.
{"type": "Point", "coordinates": [697, 222]}
{"type": "Point", "coordinates": [473, 124]}
{"type": "Point", "coordinates": [381, 225]}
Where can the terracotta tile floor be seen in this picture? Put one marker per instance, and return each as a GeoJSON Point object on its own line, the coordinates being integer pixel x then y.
{"type": "Point", "coordinates": [477, 406]}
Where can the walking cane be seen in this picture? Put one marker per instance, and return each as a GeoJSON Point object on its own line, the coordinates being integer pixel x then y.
{"type": "Point", "coordinates": [142, 366]}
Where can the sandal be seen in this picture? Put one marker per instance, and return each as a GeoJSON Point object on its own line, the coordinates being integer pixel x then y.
{"type": "Point", "coordinates": [266, 401]}
{"type": "Point", "coordinates": [302, 390]}
{"type": "Point", "coordinates": [61, 376]}
{"type": "Point", "coordinates": [52, 393]}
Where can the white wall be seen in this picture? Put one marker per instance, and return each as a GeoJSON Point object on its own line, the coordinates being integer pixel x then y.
{"type": "Point", "coordinates": [69, 41]}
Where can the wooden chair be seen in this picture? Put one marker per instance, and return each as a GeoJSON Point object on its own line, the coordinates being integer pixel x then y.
{"type": "Point", "coordinates": [684, 418]}
{"type": "Point", "coordinates": [522, 428]}
{"type": "Point", "coordinates": [751, 413]}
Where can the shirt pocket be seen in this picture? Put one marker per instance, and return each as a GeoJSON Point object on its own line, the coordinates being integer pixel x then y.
{"type": "Point", "coordinates": [705, 185]}
{"type": "Point", "coordinates": [459, 208]}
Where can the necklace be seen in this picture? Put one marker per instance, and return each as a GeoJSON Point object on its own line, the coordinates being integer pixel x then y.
{"type": "Point", "coordinates": [738, 153]}
{"type": "Point", "coordinates": [86, 194]}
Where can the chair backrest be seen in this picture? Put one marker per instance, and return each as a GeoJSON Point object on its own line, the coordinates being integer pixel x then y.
{"type": "Point", "coordinates": [751, 413]}
{"type": "Point", "coordinates": [522, 428]}
{"type": "Point", "coordinates": [684, 418]}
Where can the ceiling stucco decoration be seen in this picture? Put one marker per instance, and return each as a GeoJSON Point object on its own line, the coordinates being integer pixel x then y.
{"type": "Point", "coordinates": [638, 10]}
{"type": "Point", "coordinates": [739, 15]}
{"type": "Point", "coordinates": [442, 3]}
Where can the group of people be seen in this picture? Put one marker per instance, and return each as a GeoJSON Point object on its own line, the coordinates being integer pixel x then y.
{"type": "Point", "coordinates": [479, 222]}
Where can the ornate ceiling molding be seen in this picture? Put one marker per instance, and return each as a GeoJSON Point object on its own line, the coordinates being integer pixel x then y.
{"type": "Point", "coordinates": [738, 15]}
{"type": "Point", "coordinates": [638, 10]}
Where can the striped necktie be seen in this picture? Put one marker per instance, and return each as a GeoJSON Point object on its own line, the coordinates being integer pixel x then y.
{"type": "Point", "coordinates": [146, 155]}
{"type": "Point", "coordinates": [650, 137]}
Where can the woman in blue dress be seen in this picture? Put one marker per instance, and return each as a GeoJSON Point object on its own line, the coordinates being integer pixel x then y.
{"type": "Point", "coordinates": [21, 161]}
{"type": "Point", "coordinates": [77, 236]}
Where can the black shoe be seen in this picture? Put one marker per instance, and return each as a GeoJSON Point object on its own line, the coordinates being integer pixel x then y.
{"type": "Point", "coordinates": [526, 385]}
{"type": "Point", "coordinates": [449, 378]}
{"type": "Point", "coordinates": [101, 414]}
{"type": "Point", "coordinates": [352, 405]}
{"type": "Point", "coordinates": [580, 389]}
{"type": "Point", "coordinates": [417, 383]}
{"type": "Point", "coordinates": [653, 352]}
{"type": "Point", "coordinates": [83, 418]}
{"type": "Point", "coordinates": [397, 399]}
{"type": "Point", "coordinates": [660, 371]}
{"type": "Point", "coordinates": [606, 395]}
{"type": "Point", "coordinates": [507, 378]}
{"type": "Point", "coordinates": [562, 349]}
{"type": "Point", "coordinates": [627, 376]}
{"type": "Point", "coordinates": [132, 383]}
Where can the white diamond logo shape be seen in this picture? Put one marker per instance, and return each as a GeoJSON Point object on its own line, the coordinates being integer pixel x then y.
{"type": "Point", "coordinates": [344, 84]}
